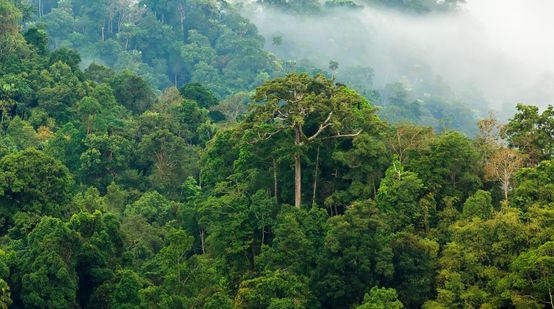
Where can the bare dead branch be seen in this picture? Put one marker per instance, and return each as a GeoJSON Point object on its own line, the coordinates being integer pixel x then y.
{"type": "Point", "coordinates": [264, 137]}
{"type": "Point", "coordinates": [344, 135]}
{"type": "Point", "coordinates": [322, 127]}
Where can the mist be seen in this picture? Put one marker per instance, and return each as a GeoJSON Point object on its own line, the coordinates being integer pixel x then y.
{"type": "Point", "coordinates": [492, 53]}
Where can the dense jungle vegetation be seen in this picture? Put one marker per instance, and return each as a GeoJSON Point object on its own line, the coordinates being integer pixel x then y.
{"type": "Point", "coordinates": [154, 155]}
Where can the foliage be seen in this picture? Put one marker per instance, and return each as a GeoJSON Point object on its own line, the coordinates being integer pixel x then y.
{"type": "Point", "coordinates": [380, 298]}
{"type": "Point", "coordinates": [116, 195]}
{"type": "Point", "coordinates": [277, 289]}
{"type": "Point", "coordinates": [32, 181]}
{"type": "Point", "coordinates": [531, 132]}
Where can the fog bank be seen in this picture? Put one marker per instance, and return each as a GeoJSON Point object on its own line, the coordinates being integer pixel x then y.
{"type": "Point", "coordinates": [498, 52]}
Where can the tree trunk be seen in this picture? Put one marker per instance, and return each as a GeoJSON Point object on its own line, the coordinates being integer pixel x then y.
{"type": "Point", "coordinates": [89, 125]}
{"type": "Point", "coordinates": [297, 181]}
{"type": "Point", "coordinates": [275, 187]}
{"type": "Point", "coordinates": [263, 237]}
{"type": "Point", "coordinates": [315, 176]}
{"type": "Point", "coordinates": [181, 9]}
{"type": "Point", "coordinates": [202, 241]}
{"type": "Point", "coordinates": [506, 188]}
{"type": "Point", "coordinates": [297, 170]}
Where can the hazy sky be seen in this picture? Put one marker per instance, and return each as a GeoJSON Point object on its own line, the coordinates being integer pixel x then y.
{"type": "Point", "coordinates": [522, 29]}
{"type": "Point", "coordinates": [501, 49]}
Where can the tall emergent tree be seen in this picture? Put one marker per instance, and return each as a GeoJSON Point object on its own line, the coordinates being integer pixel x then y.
{"type": "Point", "coordinates": [531, 132]}
{"type": "Point", "coordinates": [306, 110]}
{"type": "Point", "coordinates": [502, 167]}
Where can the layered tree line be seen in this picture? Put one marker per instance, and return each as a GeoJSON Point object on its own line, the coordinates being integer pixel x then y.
{"type": "Point", "coordinates": [169, 42]}
{"type": "Point", "coordinates": [113, 195]}
{"type": "Point", "coordinates": [416, 7]}
{"type": "Point", "coordinates": [175, 42]}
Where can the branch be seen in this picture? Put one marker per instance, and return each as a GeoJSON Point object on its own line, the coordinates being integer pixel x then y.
{"type": "Point", "coordinates": [264, 137]}
{"type": "Point", "coordinates": [282, 116]}
{"type": "Point", "coordinates": [344, 135]}
{"type": "Point", "coordinates": [322, 127]}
